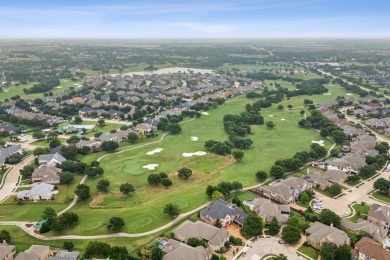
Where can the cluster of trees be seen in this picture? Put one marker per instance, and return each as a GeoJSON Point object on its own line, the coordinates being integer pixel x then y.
{"type": "Point", "coordinates": [57, 223]}
{"type": "Point", "coordinates": [109, 146]}
{"type": "Point", "coordinates": [297, 161]}
{"type": "Point", "coordinates": [83, 192]}
{"type": "Point", "coordinates": [170, 124]}
{"type": "Point", "coordinates": [253, 225]}
{"type": "Point", "coordinates": [45, 85]}
{"type": "Point", "coordinates": [373, 165]}
{"type": "Point", "coordinates": [330, 251]}
{"type": "Point", "coordinates": [383, 185]}
{"type": "Point", "coordinates": [104, 250]}
{"type": "Point", "coordinates": [223, 189]}
{"type": "Point", "coordinates": [161, 178]}
{"type": "Point", "coordinates": [291, 232]}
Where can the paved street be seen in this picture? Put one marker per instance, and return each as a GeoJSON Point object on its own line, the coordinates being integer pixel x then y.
{"type": "Point", "coordinates": [12, 178]}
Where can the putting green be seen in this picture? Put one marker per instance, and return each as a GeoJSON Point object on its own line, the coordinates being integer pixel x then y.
{"type": "Point", "coordinates": [132, 167]}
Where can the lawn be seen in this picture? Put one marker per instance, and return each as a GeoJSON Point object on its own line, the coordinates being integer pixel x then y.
{"type": "Point", "coordinates": [143, 210]}
{"type": "Point", "coordinates": [23, 241]}
{"type": "Point", "coordinates": [45, 142]}
{"type": "Point", "coordinates": [323, 192]}
{"type": "Point", "coordinates": [309, 251]}
{"type": "Point", "coordinates": [381, 197]}
{"type": "Point", "coordinates": [361, 212]}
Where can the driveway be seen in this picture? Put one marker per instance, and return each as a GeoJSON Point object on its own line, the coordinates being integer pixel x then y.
{"type": "Point", "coordinates": [12, 178]}
{"type": "Point", "coordinates": [265, 246]}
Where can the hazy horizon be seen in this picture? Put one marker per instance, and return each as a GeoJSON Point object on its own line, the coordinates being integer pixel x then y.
{"type": "Point", "coordinates": [172, 19]}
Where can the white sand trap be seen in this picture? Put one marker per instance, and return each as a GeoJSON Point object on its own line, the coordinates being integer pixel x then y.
{"type": "Point", "coordinates": [282, 119]}
{"type": "Point", "coordinates": [59, 87]}
{"type": "Point", "coordinates": [320, 142]}
{"type": "Point", "coordinates": [327, 94]}
{"type": "Point", "coordinates": [158, 150]}
{"type": "Point", "coordinates": [205, 113]}
{"type": "Point", "coordinates": [199, 153]}
{"type": "Point", "coordinates": [349, 94]}
{"type": "Point", "coordinates": [194, 138]}
{"type": "Point", "coordinates": [5, 89]}
{"type": "Point", "coordinates": [270, 115]}
{"type": "Point", "coordinates": [150, 166]}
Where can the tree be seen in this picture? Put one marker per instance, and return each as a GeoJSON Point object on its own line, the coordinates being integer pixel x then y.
{"type": "Point", "coordinates": [339, 136]}
{"type": "Point", "coordinates": [173, 128]}
{"type": "Point", "coordinates": [73, 139]}
{"type": "Point", "coordinates": [69, 152]}
{"type": "Point", "coordinates": [217, 195]}
{"type": "Point", "coordinates": [68, 245]}
{"type": "Point", "coordinates": [97, 250]}
{"type": "Point", "coordinates": [195, 242]}
{"type": "Point", "coordinates": [66, 177]}
{"type": "Point", "coordinates": [343, 252]}
{"type": "Point", "coordinates": [236, 186]}
{"type": "Point", "coordinates": [38, 135]}
{"type": "Point", "coordinates": [82, 191]}
{"type": "Point", "coordinates": [119, 252]}
{"type": "Point", "coordinates": [382, 185]}
{"type": "Point", "coordinates": [94, 164]}
{"type": "Point", "coordinates": [40, 150]}
{"type": "Point", "coordinates": [328, 251]}
{"type": "Point", "coordinates": [304, 199]}
{"type": "Point", "coordinates": [335, 189]}
{"type": "Point", "coordinates": [280, 107]}
{"type": "Point", "coordinates": [253, 225]}
{"type": "Point", "coordinates": [237, 154]}
{"type": "Point", "coordinates": [115, 224]}
{"type": "Point", "coordinates": [54, 142]}
{"type": "Point", "coordinates": [261, 175]}
{"type": "Point", "coordinates": [109, 146]}
{"type": "Point", "coordinates": [156, 253]}
{"type": "Point", "coordinates": [52, 135]}
{"type": "Point", "coordinates": [77, 120]}
{"type": "Point", "coordinates": [277, 171]}
{"type": "Point", "coordinates": [172, 210]}
{"type": "Point", "coordinates": [94, 171]}
{"type": "Point", "coordinates": [291, 234]}
{"type": "Point", "coordinates": [68, 219]}
{"type": "Point", "coordinates": [126, 188]}
{"type": "Point", "coordinates": [184, 173]}
{"type": "Point", "coordinates": [166, 182]}
{"type": "Point", "coordinates": [103, 185]}
{"type": "Point", "coordinates": [328, 217]}
{"type": "Point", "coordinates": [273, 227]}
{"type": "Point", "coordinates": [290, 106]}
{"type": "Point", "coordinates": [101, 122]}
{"type": "Point", "coordinates": [154, 179]}
{"type": "Point", "coordinates": [132, 137]}
{"type": "Point", "coordinates": [26, 171]}
{"type": "Point", "coordinates": [85, 150]}
{"type": "Point", "coordinates": [4, 235]}
{"type": "Point", "coordinates": [270, 124]}
{"type": "Point", "coordinates": [49, 213]}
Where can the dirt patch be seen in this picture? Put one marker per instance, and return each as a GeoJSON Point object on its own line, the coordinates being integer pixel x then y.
{"type": "Point", "coordinates": [234, 231]}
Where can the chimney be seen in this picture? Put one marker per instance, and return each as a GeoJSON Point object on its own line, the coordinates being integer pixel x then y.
{"type": "Point", "coordinates": [331, 224]}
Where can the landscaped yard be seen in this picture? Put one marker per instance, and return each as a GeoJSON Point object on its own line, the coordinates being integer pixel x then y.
{"type": "Point", "coordinates": [45, 142]}
{"type": "Point", "coordinates": [323, 192]}
{"type": "Point", "coordinates": [381, 197]}
{"type": "Point", "coordinates": [309, 251]}
{"type": "Point", "coordinates": [361, 212]}
{"type": "Point", "coordinates": [143, 210]}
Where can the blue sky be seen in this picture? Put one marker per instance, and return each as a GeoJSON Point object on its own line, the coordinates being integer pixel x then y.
{"type": "Point", "coordinates": [194, 19]}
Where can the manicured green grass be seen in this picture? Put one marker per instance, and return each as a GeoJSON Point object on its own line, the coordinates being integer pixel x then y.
{"type": "Point", "coordinates": [326, 193]}
{"type": "Point", "coordinates": [309, 251]}
{"type": "Point", "coordinates": [23, 241]}
{"type": "Point", "coordinates": [45, 142]}
{"type": "Point", "coordinates": [381, 197]}
{"type": "Point", "coordinates": [361, 212]}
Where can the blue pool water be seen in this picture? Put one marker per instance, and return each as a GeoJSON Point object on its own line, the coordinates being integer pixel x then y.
{"type": "Point", "coordinates": [250, 202]}
{"type": "Point", "coordinates": [388, 243]}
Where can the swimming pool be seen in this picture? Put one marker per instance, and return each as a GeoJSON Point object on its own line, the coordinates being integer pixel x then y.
{"type": "Point", "coordinates": [387, 243]}
{"type": "Point", "coordinates": [250, 202]}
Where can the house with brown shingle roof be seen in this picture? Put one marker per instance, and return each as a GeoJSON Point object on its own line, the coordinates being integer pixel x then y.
{"type": "Point", "coordinates": [379, 215]}
{"type": "Point", "coordinates": [46, 174]}
{"type": "Point", "coordinates": [268, 211]}
{"type": "Point", "coordinates": [175, 250]}
{"type": "Point", "coordinates": [367, 248]}
{"type": "Point", "coordinates": [214, 237]}
{"type": "Point", "coordinates": [318, 234]}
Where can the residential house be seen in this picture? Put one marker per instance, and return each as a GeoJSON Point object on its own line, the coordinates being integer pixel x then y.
{"type": "Point", "coordinates": [226, 213]}
{"type": "Point", "coordinates": [93, 144]}
{"type": "Point", "coordinates": [318, 180]}
{"type": "Point", "coordinates": [108, 137]}
{"type": "Point", "coordinates": [42, 191]}
{"type": "Point", "coordinates": [352, 131]}
{"type": "Point", "coordinates": [65, 255]}
{"type": "Point", "coordinates": [175, 250]}
{"type": "Point", "coordinates": [35, 252]}
{"type": "Point", "coordinates": [375, 232]}
{"type": "Point", "coordinates": [368, 249]}
{"type": "Point", "coordinates": [285, 191]}
{"type": "Point", "coordinates": [6, 152]}
{"type": "Point", "coordinates": [51, 159]}
{"type": "Point", "coordinates": [7, 252]}
{"type": "Point", "coordinates": [46, 174]}
{"type": "Point", "coordinates": [145, 128]}
{"type": "Point", "coordinates": [352, 163]}
{"type": "Point", "coordinates": [318, 234]}
{"type": "Point", "coordinates": [268, 211]}
{"type": "Point", "coordinates": [215, 237]}
{"type": "Point", "coordinates": [10, 129]}
{"type": "Point", "coordinates": [379, 215]}
{"type": "Point", "coordinates": [375, 123]}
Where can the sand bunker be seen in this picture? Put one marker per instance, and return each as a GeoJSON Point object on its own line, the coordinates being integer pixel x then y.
{"type": "Point", "coordinates": [320, 142]}
{"type": "Point", "coordinates": [328, 94]}
{"type": "Point", "coordinates": [349, 94]}
{"type": "Point", "coordinates": [150, 166]}
{"type": "Point", "coordinates": [154, 151]}
{"type": "Point", "coordinates": [199, 153]}
{"type": "Point", "coordinates": [205, 113]}
{"type": "Point", "coordinates": [270, 115]}
{"type": "Point", "coordinates": [282, 119]}
{"type": "Point", "coordinates": [194, 138]}
{"type": "Point", "coordinates": [58, 87]}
